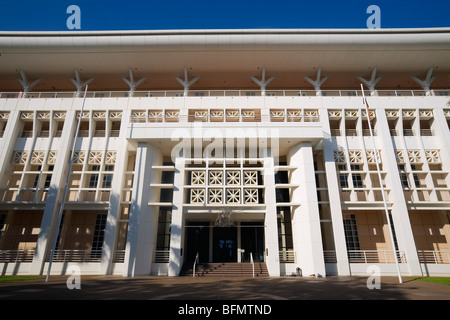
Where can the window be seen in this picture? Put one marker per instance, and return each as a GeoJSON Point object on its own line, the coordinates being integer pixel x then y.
{"type": "Point", "coordinates": [109, 168]}
{"type": "Point", "coordinates": [163, 236]}
{"type": "Point", "coordinates": [48, 179]}
{"type": "Point", "coordinates": [416, 180]}
{"type": "Point", "coordinates": [357, 180]}
{"type": "Point", "coordinates": [342, 167]}
{"type": "Point", "coordinates": [99, 234]}
{"type": "Point", "coordinates": [351, 233]}
{"type": "Point", "coordinates": [93, 181]}
{"type": "Point", "coordinates": [404, 180]}
{"type": "Point", "coordinates": [167, 176]}
{"type": "Point", "coordinates": [355, 167]}
{"type": "Point", "coordinates": [2, 223]}
{"type": "Point", "coordinates": [343, 180]}
{"type": "Point", "coordinates": [107, 179]}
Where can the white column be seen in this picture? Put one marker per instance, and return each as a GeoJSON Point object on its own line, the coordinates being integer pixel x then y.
{"type": "Point", "coordinates": [399, 210]}
{"type": "Point", "coordinates": [143, 221]}
{"type": "Point", "coordinates": [329, 145]}
{"type": "Point", "coordinates": [441, 130]}
{"type": "Point", "coordinates": [8, 141]}
{"type": "Point", "coordinates": [112, 222]}
{"type": "Point", "coordinates": [306, 230]}
{"type": "Point", "coordinates": [272, 250]}
{"type": "Point", "coordinates": [53, 203]}
{"type": "Point", "coordinates": [176, 227]}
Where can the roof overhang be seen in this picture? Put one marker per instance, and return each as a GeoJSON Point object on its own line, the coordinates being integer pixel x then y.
{"type": "Point", "coordinates": [225, 58]}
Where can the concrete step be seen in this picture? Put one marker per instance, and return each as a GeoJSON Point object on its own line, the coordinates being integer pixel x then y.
{"type": "Point", "coordinates": [226, 269]}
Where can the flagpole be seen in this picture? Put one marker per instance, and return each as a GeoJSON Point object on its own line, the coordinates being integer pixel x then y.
{"type": "Point", "coordinates": [381, 184]}
{"type": "Point", "coordinates": [65, 188]}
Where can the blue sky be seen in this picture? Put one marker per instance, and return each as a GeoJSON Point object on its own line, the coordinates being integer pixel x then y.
{"type": "Point", "coordinates": [28, 15]}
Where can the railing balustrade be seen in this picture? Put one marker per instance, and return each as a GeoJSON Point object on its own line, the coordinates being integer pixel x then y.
{"type": "Point", "coordinates": [76, 256]}
{"type": "Point", "coordinates": [436, 257]}
{"type": "Point", "coordinates": [162, 256]}
{"type": "Point", "coordinates": [287, 256]}
{"type": "Point", "coordinates": [217, 93]}
{"type": "Point", "coordinates": [375, 256]}
{"type": "Point", "coordinates": [16, 255]}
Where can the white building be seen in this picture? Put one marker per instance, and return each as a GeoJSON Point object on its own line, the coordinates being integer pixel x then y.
{"type": "Point", "coordinates": [235, 145]}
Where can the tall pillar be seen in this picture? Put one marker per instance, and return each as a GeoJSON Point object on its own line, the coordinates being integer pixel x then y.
{"type": "Point", "coordinates": [306, 230]}
{"type": "Point", "coordinates": [112, 221]}
{"type": "Point", "coordinates": [272, 250]}
{"type": "Point", "coordinates": [176, 227]}
{"type": "Point", "coordinates": [8, 141]}
{"type": "Point", "coordinates": [143, 221]}
{"type": "Point", "coordinates": [44, 243]}
{"type": "Point", "coordinates": [340, 246]}
{"type": "Point", "coordinates": [399, 210]}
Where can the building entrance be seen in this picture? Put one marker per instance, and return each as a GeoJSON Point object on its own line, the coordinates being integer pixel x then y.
{"type": "Point", "coordinates": [197, 241]}
{"type": "Point", "coordinates": [252, 241]}
{"type": "Point", "coordinates": [224, 244]}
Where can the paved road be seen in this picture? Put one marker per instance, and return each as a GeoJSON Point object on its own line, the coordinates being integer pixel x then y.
{"type": "Point", "coordinates": [188, 288]}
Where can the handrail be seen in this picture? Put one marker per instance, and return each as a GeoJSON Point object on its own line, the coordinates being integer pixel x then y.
{"type": "Point", "coordinates": [253, 264]}
{"type": "Point", "coordinates": [220, 93]}
{"type": "Point", "coordinates": [195, 262]}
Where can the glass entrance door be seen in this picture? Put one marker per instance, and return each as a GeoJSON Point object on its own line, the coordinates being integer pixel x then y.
{"type": "Point", "coordinates": [197, 241]}
{"type": "Point", "coordinates": [252, 240]}
{"type": "Point", "coordinates": [225, 244]}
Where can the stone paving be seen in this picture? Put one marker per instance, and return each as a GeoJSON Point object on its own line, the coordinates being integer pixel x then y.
{"type": "Point", "coordinates": [211, 288]}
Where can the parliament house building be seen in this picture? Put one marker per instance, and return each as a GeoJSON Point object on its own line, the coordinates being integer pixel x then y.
{"type": "Point", "coordinates": [188, 152]}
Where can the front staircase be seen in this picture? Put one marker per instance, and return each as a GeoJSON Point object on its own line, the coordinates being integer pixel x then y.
{"type": "Point", "coordinates": [225, 269]}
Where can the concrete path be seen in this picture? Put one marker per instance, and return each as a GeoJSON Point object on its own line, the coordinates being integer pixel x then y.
{"type": "Point", "coordinates": [188, 288]}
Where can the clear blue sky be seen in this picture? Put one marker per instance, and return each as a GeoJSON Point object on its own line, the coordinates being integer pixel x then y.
{"type": "Point", "coordinates": [28, 15]}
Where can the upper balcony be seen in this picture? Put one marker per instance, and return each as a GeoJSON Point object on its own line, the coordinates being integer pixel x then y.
{"type": "Point", "coordinates": [218, 93]}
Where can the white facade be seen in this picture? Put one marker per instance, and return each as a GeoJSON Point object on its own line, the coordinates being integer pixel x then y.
{"type": "Point", "coordinates": [154, 169]}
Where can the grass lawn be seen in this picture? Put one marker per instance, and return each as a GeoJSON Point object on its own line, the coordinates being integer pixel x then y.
{"type": "Point", "coordinates": [4, 279]}
{"type": "Point", "coordinates": [434, 279]}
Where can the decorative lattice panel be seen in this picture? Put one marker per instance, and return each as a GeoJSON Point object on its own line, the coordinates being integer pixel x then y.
{"type": "Point", "coordinates": [339, 156]}
{"type": "Point", "coordinates": [197, 195]}
{"type": "Point", "coordinates": [215, 178]}
{"type": "Point", "coordinates": [432, 156]}
{"type": "Point", "coordinates": [79, 157]}
{"type": "Point", "coordinates": [250, 195]}
{"type": "Point", "coordinates": [110, 157]}
{"type": "Point", "coordinates": [52, 157]}
{"type": "Point", "coordinates": [371, 156]}
{"type": "Point", "coordinates": [233, 177]}
{"type": "Point", "coordinates": [233, 196]}
{"type": "Point", "coordinates": [215, 196]}
{"type": "Point", "coordinates": [20, 157]}
{"type": "Point", "coordinates": [355, 156]}
{"type": "Point", "coordinates": [95, 157]}
{"type": "Point", "coordinates": [414, 156]}
{"type": "Point", "coordinates": [198, 178]}
{"type": "Point", "coordinates": [250, 177]}
{"type": "Point", "coordinates": [37, 157]}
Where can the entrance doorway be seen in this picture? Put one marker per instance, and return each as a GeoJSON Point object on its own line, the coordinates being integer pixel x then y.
{"type": "Point", "coordinates": [197, 241]}
{"type": "Point", "coordinates": [252, 241]}
{"type": "Point", "coordinates": [224, 244]}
